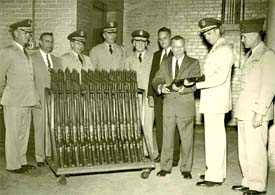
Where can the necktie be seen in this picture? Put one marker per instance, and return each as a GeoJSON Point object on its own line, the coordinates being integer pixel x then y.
{"type": "Point", "coordinates": [48, 61]}
{"type": "Point", "coordinates": [140, 58]}
{"type": "Point", "coordinates": [26, 54]}
{"type": "Point", "coordinates": [80, 59]}
{"type": "Point", "coordinates": [166, 54]}
{"type": "Point", "coordinates": [177, 68]}
{"type": "Point", "coordinates": [249, 53]}
{"type": "Point", "coordinates": [110, 49]}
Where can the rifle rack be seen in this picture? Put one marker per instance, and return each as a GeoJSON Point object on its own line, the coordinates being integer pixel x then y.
{"type": "Point", "coordinates": [95, 125]}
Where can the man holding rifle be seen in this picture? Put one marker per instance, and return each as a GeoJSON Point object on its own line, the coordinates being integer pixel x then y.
{"type": "Point", "coordinates": [178, 107]}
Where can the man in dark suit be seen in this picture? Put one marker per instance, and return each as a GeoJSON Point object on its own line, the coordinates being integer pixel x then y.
{"type": "Point", "coordinates": [156, 100]}
{"type": "Point", "coordinates": [178, 107]}
{"type": "Point", "coordinates": [43, 62]}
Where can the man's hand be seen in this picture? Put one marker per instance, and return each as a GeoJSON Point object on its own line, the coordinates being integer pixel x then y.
{"type": "Point", "coordinates": [178, 89]}
{"type": "Point", "coordinates": [150, 101]}
{"type": "Point", "coordinates": [187, 83]}
{"type": "Point", "coordinates": [257, 120]}
{"type": "Point", "coordinates": [164, 89]}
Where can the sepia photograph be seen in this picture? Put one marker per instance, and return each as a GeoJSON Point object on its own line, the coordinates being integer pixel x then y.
{"type": "Point", "coordinates": [137, 97]}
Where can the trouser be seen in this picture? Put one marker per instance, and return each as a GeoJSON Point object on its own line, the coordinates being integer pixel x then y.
{"type": "Point", "coordinates": [215, 147]}
{"type": "Point", "coordinates": [148, 129]}
{"type": "Point", "coordinates": [17, 124]}
{"type": "Point", "coordinates": [41, 135]}
{"type": "Point", "coordinates": [252, 144]}
{"type": "Point", "coordinates": [271, 147]}
{"type": "Point", "coordinates": [158, 106]}
{"type": "Point", "coordinates": [186, 130]}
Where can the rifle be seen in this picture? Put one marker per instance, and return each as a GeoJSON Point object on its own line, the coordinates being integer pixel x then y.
{"type": "Point", "coordinates": [67, 108]}
{"type": "Point", "coordinates": [112, 101]}
{"type": "Point", "coordinates": [60, 132]}
{"type": "Point", "coordinates": [76, 153]}
{"type": "Point", "coordinates": [180, 82]}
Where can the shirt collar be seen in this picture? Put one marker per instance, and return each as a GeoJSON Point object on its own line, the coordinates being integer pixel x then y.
{"type": "Point", "coordinates": [43, 53]}
{"type": "Point", "coordinates": [142, 53]}
{"type": "Point", "coordinates": [18, 45]}
{"type": "Point", "coordinates": [168, 49]}
{"type": "Point", "coordinates": [75, 53]}
{"type": "Point", "coordinates": [179, 60]}
{"type": "Point", "coordinates": [255, 48]}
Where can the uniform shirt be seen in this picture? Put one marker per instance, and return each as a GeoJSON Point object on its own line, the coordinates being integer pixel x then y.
{"type": "Point", "coordinates": [70, 60]}
{"type": "Point", "coordinates": [142, 68]}
{"type": "Point", "coordinates": [216, 90]}
{"type": "Point", "coordinates": [257, 84]}
{"type": "Point", "coordinates": [101, 57]}
{"type": "Point", "coordinates": [16, 77]}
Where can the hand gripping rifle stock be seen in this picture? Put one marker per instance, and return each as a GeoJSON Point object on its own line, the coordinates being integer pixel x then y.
{"type": "Point", "coordinates": [180, 82]}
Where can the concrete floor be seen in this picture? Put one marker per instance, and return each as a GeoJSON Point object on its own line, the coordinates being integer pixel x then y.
{"type": "Point", "coordinates": [43, 181]}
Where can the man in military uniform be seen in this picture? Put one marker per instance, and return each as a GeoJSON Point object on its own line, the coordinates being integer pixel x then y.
{"type": "Point", "coordinates": [19, 95]}
{"type": "Point", "coordinates": [140, 60]}
{"type": "Point", "coordinates": [254, 108]}
{"type": "Point", "coordinates": [75, 59]}
{"type": "Point", "coordinates": [108, 55]}
{"type": "Point", "coordinates": [43, 62]}
{"type": "Point", "coordinates": [215, 101]}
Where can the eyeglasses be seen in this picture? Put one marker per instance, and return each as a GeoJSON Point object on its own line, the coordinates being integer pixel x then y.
{"type": "Point", "coordinates": [26, 31]}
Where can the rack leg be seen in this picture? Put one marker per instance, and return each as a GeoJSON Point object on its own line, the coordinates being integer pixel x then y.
{"type": "Point", "coordinates": [62, 180]}
{"type": "Point", "coordinates": [145, 173]}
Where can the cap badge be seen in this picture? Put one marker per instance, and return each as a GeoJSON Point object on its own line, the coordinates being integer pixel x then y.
{"type": "Point", "coordinates": [203, 23]}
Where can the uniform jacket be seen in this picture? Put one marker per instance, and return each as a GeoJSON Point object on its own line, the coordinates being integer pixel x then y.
{"type": "Point", "coordinates": [71, 61]}
{"type": "Point", "coordinates": [103, 59]}
{"type": "Point", "coordinates": [175, 103]}
{"type": "Point", "coordinates": [142, 68]}
{"type": "Point", "coordinates": [42, 75]}
{"type": "Point", "coordinates": [257, 84]}
{"type": "Point", "coordinates": [16, 78]}
{"type": "Point", "coordinates": [216, 90]}
{"type": "Point", "coordinates": [154, 69]}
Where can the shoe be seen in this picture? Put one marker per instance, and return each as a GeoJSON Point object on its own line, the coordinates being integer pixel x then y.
{"type": "Point", "coordinates": [252, 192]}
{"type": "Point", "coordinates": [240, 188]}
{"type": "Point", "coordinates": [28, 167]}
{"type": "Point", "coordinates": [40, 164]}
{"type": "Point", "coordinates": [175, 163]}
{"type": "Point", "coordinates": [157, 159]}
{"type": "Point", "coordinates": [202, 177]}
{"type": "Point", "coordinates": [19, 171]}
{"type": "Point", "coordinates": [163, 173]}
{"type": "Point", "coordinates": [208, 183]}
{"type": "Point", "coordinates": [186, 175]}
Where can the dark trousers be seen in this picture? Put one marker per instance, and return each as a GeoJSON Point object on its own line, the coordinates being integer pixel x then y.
{"type": "Point", "coordinates": [159, 129]}
{"type": "Point", "coordinates": [186, 130]}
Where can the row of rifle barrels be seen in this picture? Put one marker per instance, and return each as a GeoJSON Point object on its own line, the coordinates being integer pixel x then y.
{"type": "Point", "coordinates": [96, 119]}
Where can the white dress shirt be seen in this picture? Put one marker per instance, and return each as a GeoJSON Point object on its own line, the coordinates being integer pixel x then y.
{"type": "Point", "coordinates": [174, 59]}
{"type": "Point", "coordinates": [44, 56]}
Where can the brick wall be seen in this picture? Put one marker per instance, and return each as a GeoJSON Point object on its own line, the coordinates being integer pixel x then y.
{"type": "Point", "coordinates": [182, 17]}
{"type": "Point", "coordinates": [84, 20]}
{"type": "Point", "coordinates": [57, 16]}
{"type": "Point", "coordinates": [10, 12]}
